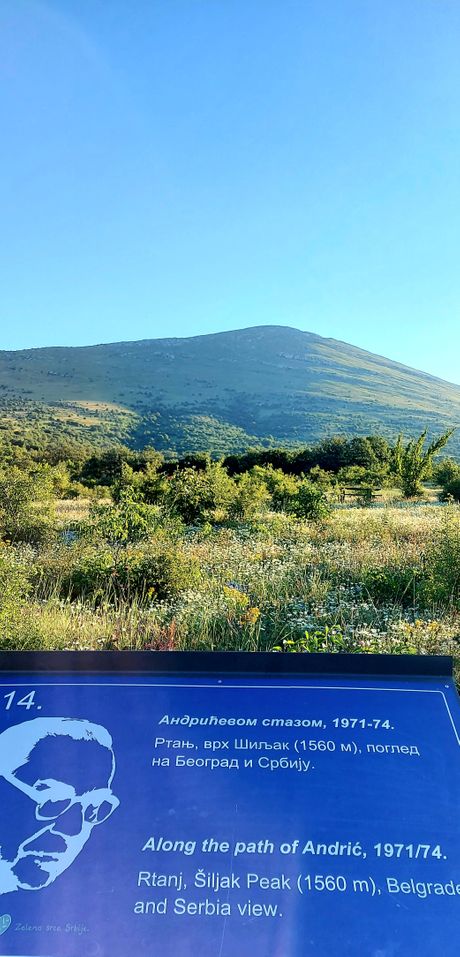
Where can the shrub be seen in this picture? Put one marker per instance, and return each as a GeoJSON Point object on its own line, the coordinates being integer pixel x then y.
{"type": "Point", "coordinates": [451, 490]}
{"type": "Point", "coordinates": [14, 589]}
{"type": "Point", "coordinates": [127, 521]}
{"type": "Point", "coordinates": [324, 639]}
{"type": "Point", "coordinates": [156, 576]}
{"type": "Point", "coordinates": [98, 574]}
{"type": "Point", "coordinates": [59, 477]}
{"type": "Point", "coordinates": [442, 561]}
{"type": "Point", "coordinates": [76, 490]}
{"type": "Point", "coordinates": [26, 506]}
{"type": "Point", "coordinates": [194, 495]}
{"type": "Point", "coordinates": [412, 463]}
{"type": "Point", "coordinates": [251, 494]}
{"type": "Point", "coordinates": [311, 502]}
{"type": "Point", "coordinates": [153, 484]}
{"type": "Point", "coordinates": [282, 487]}
{"type": "Point", "coordinates": [445, 471]}
{"type": "Point", "coordinates": [392, 583]}
{"type": "Point", "coordinates": [321, 476]}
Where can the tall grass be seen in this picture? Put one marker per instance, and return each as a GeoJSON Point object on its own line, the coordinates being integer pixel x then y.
{"type": "Point", "coordinates": [385, 579]}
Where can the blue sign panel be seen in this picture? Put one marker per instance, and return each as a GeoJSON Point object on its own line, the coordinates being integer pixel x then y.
{"type": "Point", "coordinates": [261, 817]}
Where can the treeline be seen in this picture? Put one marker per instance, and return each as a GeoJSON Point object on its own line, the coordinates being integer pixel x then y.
{"type": "Point", "coordinates": [103, 468]}
{"type": "Point", "coordinates": [329, 471]}
{"type": "Point", "coordinates": [360, 463]}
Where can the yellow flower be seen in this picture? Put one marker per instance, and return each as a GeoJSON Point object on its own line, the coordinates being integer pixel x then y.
{"type": "Point", "coordinates": [252, 615]}
{"type": "Point", "coordinates": [235, 596]}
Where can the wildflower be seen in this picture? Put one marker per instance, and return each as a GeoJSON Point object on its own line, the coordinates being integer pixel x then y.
{"type": "Point", "coordinates": [252, 615]}
{"type": "Point", "coordinates": [235, 595]}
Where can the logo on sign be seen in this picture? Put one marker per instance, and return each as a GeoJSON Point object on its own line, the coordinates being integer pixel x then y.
{"type": "Point", "coordinates": [5, 922]}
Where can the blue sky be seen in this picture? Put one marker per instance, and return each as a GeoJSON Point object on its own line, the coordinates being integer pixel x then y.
{"type": "Point", "coordinates": [179, 167]}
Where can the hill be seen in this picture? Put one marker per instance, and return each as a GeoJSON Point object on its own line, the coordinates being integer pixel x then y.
{"type": "Point", "coordinates": [266, 385]}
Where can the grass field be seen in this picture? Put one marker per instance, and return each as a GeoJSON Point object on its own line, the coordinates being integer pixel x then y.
{"type": "Point", "coordinates": [380, 579]}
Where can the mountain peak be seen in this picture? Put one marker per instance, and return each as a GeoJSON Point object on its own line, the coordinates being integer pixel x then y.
{"type": "Point", "coordinates": [269, 384]}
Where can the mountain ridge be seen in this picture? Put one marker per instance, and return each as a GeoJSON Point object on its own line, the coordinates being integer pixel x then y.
{"type": "Point", "coordinates": [268, 384]}
{"type": "Point", "coordinates": [231, 332]}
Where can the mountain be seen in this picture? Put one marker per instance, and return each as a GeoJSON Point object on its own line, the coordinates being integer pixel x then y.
{"type": "Point", "coordinates": [266, 385]}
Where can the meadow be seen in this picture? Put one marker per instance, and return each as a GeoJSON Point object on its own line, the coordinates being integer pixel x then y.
{"type": "Point", "coordinates": [352, 545]}
{"type": "Point", "coordinates": [375, 579]}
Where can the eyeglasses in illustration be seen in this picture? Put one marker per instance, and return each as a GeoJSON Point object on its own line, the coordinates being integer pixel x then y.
{"type": "Point", "coordinates": [55, 787]}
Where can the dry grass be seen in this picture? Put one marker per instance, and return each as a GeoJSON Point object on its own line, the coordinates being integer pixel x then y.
{"type": "Point", "coordinates": [357, 583]}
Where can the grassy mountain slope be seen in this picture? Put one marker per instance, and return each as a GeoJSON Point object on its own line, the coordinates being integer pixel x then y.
{"type": "Point", "coordinates": [263, 385]}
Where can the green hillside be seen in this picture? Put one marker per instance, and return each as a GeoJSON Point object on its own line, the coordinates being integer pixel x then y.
{"type": "Point", "coordinates": [264, 385]}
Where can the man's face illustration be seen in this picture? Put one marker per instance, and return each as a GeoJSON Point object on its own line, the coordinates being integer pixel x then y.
{"type": "Point", "coordinates": [51, 803]}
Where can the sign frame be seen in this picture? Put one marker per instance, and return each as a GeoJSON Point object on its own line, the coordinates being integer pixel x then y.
{"type": "Point", "coordinates": [227, 662]}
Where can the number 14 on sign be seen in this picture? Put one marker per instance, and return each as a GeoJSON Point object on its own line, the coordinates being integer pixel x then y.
{"type": "Point", "coordinates": [27, 701]}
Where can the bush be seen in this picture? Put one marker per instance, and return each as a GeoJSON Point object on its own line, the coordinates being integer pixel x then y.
{"type": "Point", "coordinates": [194, 495]}
{"type": "Point", "coordinates": [59, 477]}
{"type": "Point", "coordinates": [152, 484]}
{"type": "Point", "coordinates": [311, 502]}
{"type": "Point", "coordinates": [442, 561]}
{"type": "Point", "coordinates": [323, 639]}
{"type": "Point", "coordinates": [282, 487]}
{"type": "Point", "coordinates": [101, 575]}
{"type": "Point", "coordinates": [359, 477]}
{"type": "Point", "coordinates": [14, 589]}
{"type": "Point", "coordinates": [445, 471]}
{"type": "Point", "coordinates": [412, 463]}
{"type": "Point", "coordinates": [321, 477]}
{"type": "Point", "coordinates": [125, 522]}
{"type": "Point", "coordinates": [251, 495]}
{"type": "Point", "coordinates": [26, 506]}
{"type": "Point", "coordinates": [76, 490]}
{"type": "Point", "coordinates": [157, 576]}
{"type": "Point", "coordinates": [392, 584]}
{"type": "Point", "coordinates": [451, 490]}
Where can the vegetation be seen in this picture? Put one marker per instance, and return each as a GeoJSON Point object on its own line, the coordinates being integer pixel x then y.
{"type": "Point", "coordinates": [310, 549]}
{"type": "Point", "coordinates": [412, 463]}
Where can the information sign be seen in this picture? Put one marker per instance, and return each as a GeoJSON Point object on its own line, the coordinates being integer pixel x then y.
{"type": "Point", "coordinates": [221, 805]}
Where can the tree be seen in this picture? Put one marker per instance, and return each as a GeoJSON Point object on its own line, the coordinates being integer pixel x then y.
{"type": "Point", "coordinates": [359, 477]}
{"type": "Point", "coordinates": [153, 484]}
{"type": "Point", "coordinates": [311, 502]}
{"type": "Point", "coordinates": [331, 454]}
{"type": "Point", "coordinates": [381, 448]}
{"type": "Point", "coordinates": [451, 491]}
{"type": "Point", "coordinates": [446, 471]}
{"type": "Point", "coordinates": [360, 451]}
{"type": "Point", "coordinates": [26, 501]}
{"type": "Point", "coordinates": [281, 487]}
{"type": "Point", "coordinates": [322, 477]}
{"type": "Point", "coordinates": [193, 495]}
{"type": "Point", "coordinates": [412, 463]}
{"type": "Point", "coordinates": [251, 494]}
{"type": "Point", "coordinates": [127, 521]}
